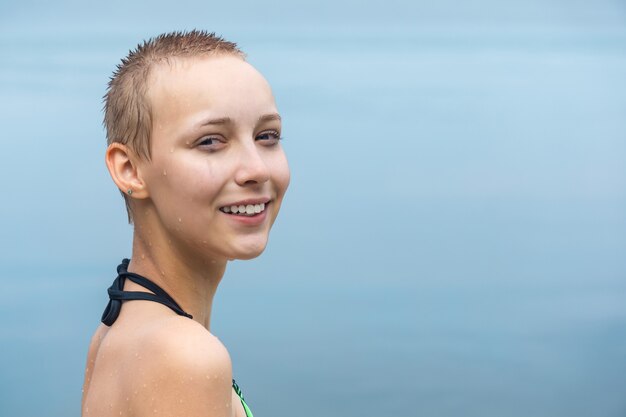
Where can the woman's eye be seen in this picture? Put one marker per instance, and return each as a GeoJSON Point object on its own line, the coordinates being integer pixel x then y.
{"type": "Point", "coordinates": [271, 137]}
{"type": "Point", "coordinates": [210, 142]}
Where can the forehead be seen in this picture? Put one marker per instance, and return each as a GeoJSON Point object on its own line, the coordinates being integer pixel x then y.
{"type": "Point", "coordinates": [216, 85]}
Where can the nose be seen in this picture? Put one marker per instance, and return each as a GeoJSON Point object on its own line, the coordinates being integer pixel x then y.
{"type": "Point", "coordinates": [252, 168]}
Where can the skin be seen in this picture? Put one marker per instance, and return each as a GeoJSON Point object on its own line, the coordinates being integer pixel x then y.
{"type": "Point", "coordinates": [214, 142]}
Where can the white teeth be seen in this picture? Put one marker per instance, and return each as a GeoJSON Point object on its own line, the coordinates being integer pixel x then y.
{"type": "Point", "coordinates": [248, 210]}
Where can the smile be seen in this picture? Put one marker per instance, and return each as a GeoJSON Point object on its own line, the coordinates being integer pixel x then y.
{"type": "Point", "coordinates": [244, 210]}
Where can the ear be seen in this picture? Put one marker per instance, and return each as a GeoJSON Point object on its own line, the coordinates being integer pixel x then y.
{"type": "Point", "coordinates": [122, 165]}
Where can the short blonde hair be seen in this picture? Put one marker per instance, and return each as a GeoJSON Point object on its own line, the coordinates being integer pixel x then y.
{"type": "Point", "coordinates": [127, 109]}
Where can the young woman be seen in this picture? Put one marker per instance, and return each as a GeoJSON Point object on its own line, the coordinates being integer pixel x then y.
{"type": "Point", "coordinates": [194, 146]}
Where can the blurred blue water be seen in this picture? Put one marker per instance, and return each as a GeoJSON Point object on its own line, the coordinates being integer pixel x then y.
{"type": "Point", "coordinates": [453, 239]}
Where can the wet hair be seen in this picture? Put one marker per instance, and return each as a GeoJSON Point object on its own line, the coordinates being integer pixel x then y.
{"type": "Point", "coordinates": [127, 108]}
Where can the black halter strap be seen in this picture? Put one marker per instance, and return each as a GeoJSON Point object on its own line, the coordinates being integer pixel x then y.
{"type": "Point", "coordinates": [117, 294]}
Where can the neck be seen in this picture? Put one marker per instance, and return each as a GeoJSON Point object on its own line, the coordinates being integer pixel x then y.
{"type": "Point", "coordinates": [190, 281]}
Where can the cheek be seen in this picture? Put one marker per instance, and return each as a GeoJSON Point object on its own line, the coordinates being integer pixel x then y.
{"type": "Point", "coordinates": [186, 186]}
{"type": "Point", "coordinates": [280, 173]}
{"type": "Point", "coordinates": [201, 184]}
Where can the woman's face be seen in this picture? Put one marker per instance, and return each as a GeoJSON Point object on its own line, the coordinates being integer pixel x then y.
{"type": "Point", "coordinates": [215, 151]}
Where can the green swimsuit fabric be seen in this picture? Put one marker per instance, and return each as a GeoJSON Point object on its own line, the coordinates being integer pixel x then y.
{"type": "Point", "coordinates": [243, 402]}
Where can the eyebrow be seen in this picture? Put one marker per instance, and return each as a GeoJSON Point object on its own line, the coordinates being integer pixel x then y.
{"type": "Point", "coordinates": [218, 121]}
{"type": "Point", "coordinates": [270, 117]}
{"type": "Point", "coordinates": [226, 120]}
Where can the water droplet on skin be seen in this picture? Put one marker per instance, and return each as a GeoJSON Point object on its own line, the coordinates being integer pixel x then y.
{"type": "Point", "coordinates": [180, 220]}
{"type": "Point", "coordinates": [164, 173]}
{"type": "Point", "coordinates": [171, 150]}
{"type": "Point", "coordinates": [143, 256]}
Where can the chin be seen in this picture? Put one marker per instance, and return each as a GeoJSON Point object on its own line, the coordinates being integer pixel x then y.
{"type": "Point", "coordinates": [248, 251]}
{"type": "Point", "coordinates": [246, 257]}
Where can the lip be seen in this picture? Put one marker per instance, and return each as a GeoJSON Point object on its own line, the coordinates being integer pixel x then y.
{"type": "Point", "coordinates": [255, 220]}
{"type": "Point", "coordinates": [259, 200]}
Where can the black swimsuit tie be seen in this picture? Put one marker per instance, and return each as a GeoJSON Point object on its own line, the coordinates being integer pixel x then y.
{"type": "Point", "coordinates": [117, 294]}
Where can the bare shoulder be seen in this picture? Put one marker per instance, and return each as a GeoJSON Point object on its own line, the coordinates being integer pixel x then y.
{"type": "Point", "coordinates": [178, 341]}
{"type": "Point", "coordinates": [185, 370]}
{"type": "Point", "coordinates": [94, 346]}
